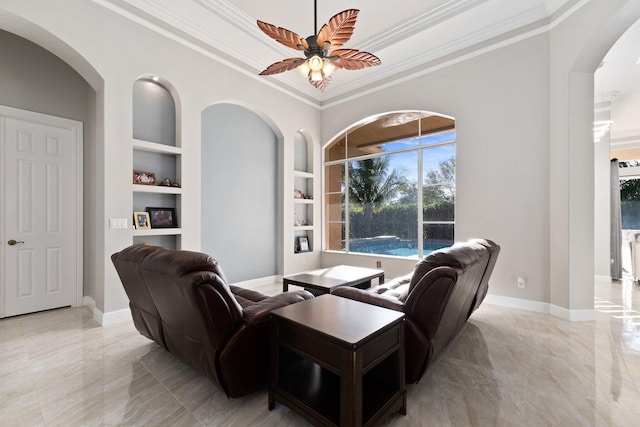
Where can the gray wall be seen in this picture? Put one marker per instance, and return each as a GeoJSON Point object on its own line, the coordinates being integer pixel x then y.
{"type": "Point", "coordinates": [154, 113]}
{"type": "Point", "coordinates": [33, 79]}
{"type": "Point", "coordinates": [239, 192]}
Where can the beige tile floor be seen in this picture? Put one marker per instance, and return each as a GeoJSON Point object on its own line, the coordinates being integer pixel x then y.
{"type": "Point", "coordinates": [508, 367]}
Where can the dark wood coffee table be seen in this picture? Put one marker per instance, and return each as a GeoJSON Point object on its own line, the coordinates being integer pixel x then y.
{"type": "Point", "coordinates": [337, 361]}
{"type": "Point", "coordinates": [324, 280]}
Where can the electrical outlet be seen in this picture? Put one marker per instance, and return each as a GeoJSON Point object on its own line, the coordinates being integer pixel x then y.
{"type": "Point", "coordinates": [378, 264]}
{"type": "Point", "coordinates": [521, 282]}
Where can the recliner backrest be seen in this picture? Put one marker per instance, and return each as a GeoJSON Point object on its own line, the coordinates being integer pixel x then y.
{"type": "Point", "coordinates": [494, 249]}
{"type": "Point", "coordinates": [146, 318]}
{"type": "Point", "coordinates": [183, 283]}
{"type": "Point", "coordinates": [469, 260]}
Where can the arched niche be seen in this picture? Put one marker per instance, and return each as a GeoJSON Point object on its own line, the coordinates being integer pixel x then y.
{"type": "Point", "coordinates": [154, 112]}
{"type": "Point", "coordinates": [302, 153]}
{"type": "Point", "coordinates": [241, 195]}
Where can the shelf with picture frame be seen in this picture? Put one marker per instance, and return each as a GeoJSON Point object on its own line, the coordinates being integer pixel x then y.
{"type": "Point", "coordinates": [158, 232]}
{"type": "Point", "coordinates": [303, 200]}
{"type": "Point", "coordinates": [156, 148]}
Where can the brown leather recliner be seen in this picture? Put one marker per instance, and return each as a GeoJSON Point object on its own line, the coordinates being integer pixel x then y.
{"type": "Point", "coordinates": [182, 301]}
{"type": "Point", "coordinates": [437, 298]}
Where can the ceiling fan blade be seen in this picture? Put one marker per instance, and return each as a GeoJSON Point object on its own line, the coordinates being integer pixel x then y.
{"type": "Point", "coordinates": [321, 84]}
{"type": "Point", "coordinates": [282, 66]}
{"type": "Point", "coordinates": [339, 29]}
{"type": "Point", "coordinates": [353, 59]}
{"type": "Point", "coordinates": [284, 36]}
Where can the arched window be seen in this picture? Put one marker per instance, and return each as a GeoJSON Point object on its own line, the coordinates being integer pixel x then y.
{"type": "Point", "coordinates": [379, 172]}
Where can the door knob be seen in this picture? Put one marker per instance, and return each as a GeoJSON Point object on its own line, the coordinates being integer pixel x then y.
{"type": "Point", "coordinates": [13, 242]}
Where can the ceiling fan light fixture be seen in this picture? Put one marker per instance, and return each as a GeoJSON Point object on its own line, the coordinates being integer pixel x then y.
{"type": "Point", "coordinates": [304, 69]}
{"type": "Point", "coordinates": [316, 76]}
{"type": "Point", "coordinates": [315, 63]}
{"type": "Point", "coordinates": [327, 67]}
{"type": "Point", "coordinates": [320, 61]}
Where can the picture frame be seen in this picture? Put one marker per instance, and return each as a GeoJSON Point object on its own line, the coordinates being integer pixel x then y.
{"type": "Point", "coordinates": [144, 178]}
{"type": "Point", "coordinates": [163, 217]}
{"type": "Point", "coordinates": [141, 221]}
{"type": "Point", "coordinates": [303, 244]}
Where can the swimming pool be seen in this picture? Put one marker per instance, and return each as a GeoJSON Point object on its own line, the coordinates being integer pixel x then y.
{"type": "Point", "coordinates": [394, 246]}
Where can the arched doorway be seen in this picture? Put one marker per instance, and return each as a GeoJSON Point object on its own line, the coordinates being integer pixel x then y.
{"type": "Point", "coordinates": [572, 172]}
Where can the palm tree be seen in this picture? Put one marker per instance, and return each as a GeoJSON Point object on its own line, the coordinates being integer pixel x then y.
{"type": "Point", "coordinates": [371, 185]}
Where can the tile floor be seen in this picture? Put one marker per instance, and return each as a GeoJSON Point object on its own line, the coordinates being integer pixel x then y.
{"type": "Point", "coordinates": [508, 367]}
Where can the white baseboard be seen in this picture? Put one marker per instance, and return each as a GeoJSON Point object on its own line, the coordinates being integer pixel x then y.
{"type": "Point", "coordinates": [255, 283]}
{"type": "Point", "coordinates": [542, 307]}
{"type": "Point", "coordinates": [116, 316]}
{"type": "Point", "coordinates": [109, 318]}
{"type": "Point", "coordinates": [572, 315]}
{"type": "Point", "coordinates": [519, 303]}
{"type": "Point", "coordinates": [89, 302]}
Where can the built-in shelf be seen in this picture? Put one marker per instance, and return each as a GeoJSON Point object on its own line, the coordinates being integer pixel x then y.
{"type": "Point", "coordinates": [302, 174]}
{"type": "Point", "coordinates": [158, 232]}
{"type": "Point", "coordinates": [156, 118]}
{"type": "Point", "coordinates": [303, 207]}
{"type": "Point", "coordinates": [139, 188]}
{"type": "Point", "coordinates": [155, 147]}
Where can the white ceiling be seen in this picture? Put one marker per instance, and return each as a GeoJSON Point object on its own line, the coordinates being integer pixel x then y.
{"type": "Point", "coordinates": [409, 39]}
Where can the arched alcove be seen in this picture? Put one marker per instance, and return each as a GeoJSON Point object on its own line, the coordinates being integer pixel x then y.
{"type": "Point", "coordinates": [154, 113]}
{"type": "Point", "coordinates": [240, 192]}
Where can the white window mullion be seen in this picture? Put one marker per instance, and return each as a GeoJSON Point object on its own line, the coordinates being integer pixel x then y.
{"type": "Point", "coordinates": [346, 194]}
{"type": "Point", "coordinates": [420, 209]}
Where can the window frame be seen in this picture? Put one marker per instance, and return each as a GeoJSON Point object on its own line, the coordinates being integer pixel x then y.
{"type": "Point", "coordinates": [344, 193]}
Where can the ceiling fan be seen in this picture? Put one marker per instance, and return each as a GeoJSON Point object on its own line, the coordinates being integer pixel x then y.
{"type": "Point", "coordinates": [322, 51]}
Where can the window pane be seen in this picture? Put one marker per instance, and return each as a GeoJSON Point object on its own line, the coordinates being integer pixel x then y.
{"type": "Point", "coordinates": [630, 203]}
{"type": "Point", "coordinates": [436, 138]}
{"type": "Point", "coordinates": [383, 133]}
{"type": "Point", "coordinates": [439, 185]}
{"type": "Point", "coordinates": [334, 207]}
{"type": "Point", "coordinates": [383, 210]}
{"type": "Point", "coordinates": [335, 236]}
{"type": "Point", "coordinates": [334, 178]}
{"type": "Point", "coordinates": [437, 236]}
{"type": "Point", "coordinates": [336, 151]}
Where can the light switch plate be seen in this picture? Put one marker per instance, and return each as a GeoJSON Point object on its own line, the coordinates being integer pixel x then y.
{"type": "Point", "coordinates": [118, 223]}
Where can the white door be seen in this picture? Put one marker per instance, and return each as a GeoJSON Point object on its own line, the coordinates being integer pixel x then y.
{"type": "Point", "coordinates": [41, 214]}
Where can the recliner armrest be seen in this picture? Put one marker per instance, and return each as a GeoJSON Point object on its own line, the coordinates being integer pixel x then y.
{"type": "Point", "coordinates": [248, 294]}
{"type": "Point", "coordinates": [369, 297]}
{"type": "Point", "coordinates": [260, 311]}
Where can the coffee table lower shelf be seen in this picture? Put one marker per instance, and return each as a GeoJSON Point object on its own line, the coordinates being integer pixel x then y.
{"type": "Point", "coordinates": [336, 361]}
{"type": "Point", "coordinates": [322, 401]}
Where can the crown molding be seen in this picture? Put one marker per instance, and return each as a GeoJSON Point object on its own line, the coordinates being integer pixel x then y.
{"type": "Point", "coordinates": [251, 51]}
{"type": "Point", "coordinates": [416, 24]}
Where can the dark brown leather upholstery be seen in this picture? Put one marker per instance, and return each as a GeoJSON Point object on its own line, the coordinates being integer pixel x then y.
{"type": "Point", "coordinates": [182, 301]}
{"type": "Point", "coordinates": [437, 298]}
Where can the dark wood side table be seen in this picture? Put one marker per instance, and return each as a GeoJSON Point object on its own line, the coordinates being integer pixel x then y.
{"type": "Point", "coordinates": [337, 361]}
{"type": "Point", "coordinates": [324, 280]}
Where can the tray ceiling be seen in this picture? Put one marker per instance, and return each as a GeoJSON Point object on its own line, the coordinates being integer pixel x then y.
{"type": "Point", "coordinates": [408, 39]}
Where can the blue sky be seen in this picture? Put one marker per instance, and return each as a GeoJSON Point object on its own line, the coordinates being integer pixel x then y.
{"type": "Point", "coordinates": [407, 162]}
